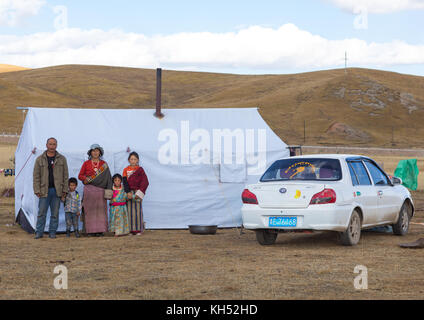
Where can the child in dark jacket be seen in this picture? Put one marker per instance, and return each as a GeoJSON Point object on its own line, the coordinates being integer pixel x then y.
{"type": "Point", "coordinates": [72, 208]}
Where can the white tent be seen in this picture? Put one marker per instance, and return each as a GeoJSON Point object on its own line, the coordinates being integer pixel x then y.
{"type": "Point", "coordinates": [197, 160]}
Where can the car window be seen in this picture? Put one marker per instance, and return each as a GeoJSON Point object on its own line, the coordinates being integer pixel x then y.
{"type": "Point", "coordinates": [361, 173]}
{"type": "Point", "coordinates": [355, 181]}
{"type": "Point", "coordinates": [377, 175]}
{"type": "Point", "coordinates": [304, 169]}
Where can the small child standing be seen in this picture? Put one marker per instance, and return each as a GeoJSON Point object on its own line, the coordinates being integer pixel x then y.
{"type": "Point", "coordinates": [118, 209]}
{"type": "Point", "coordinates": [72, 207]}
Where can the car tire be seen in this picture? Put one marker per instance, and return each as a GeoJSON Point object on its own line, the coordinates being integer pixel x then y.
{"type": "Point", "coordinates": [401, 227]}
{"type": "Point", "coordinates": [353, 232]}
{"type": "Point", "coordinates": [266, 237]}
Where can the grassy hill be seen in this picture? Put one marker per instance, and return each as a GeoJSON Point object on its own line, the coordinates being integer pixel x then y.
{"type": "Point", "coordinates": [362, 108]}
{"type": "Point", "coordinates": [10, 68]}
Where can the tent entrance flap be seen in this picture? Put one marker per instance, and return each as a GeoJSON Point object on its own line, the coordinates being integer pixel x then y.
{"type": "Point", "coordinates": [232, 173]}
{"type": "Point", "coordinates": [22, 220]}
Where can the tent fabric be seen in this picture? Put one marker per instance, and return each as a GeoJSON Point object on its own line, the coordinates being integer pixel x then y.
{"type": "Point", "coordinates": [198, 161]}
{"type": "Point", "coordinates": [408, 171]}
{"type": "Point", "coordinates": [23, 222]}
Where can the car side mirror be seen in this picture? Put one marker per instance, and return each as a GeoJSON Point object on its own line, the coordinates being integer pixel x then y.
{"type": "Point", "coordinates": [396, 181]}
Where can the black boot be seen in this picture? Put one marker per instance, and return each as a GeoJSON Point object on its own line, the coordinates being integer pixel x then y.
{"type": "Point", "coordinates": [68, 233]}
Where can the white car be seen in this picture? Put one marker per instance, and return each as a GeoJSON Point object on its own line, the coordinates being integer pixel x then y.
{"type": "Point", "coordinates": [342, 193]}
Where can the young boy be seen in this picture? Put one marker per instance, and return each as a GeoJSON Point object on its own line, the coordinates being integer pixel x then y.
{"type": "Point", "coordinates": [72, 207]}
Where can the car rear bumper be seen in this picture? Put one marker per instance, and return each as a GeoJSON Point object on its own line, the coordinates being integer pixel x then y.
{"type": "Point", "coordinates": [329, 217]}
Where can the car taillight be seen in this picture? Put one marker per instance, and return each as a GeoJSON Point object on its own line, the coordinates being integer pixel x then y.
{"type": "Point", "coordinates": [249, 197]}
{"type": "Point", "coordinates": [324, 197]}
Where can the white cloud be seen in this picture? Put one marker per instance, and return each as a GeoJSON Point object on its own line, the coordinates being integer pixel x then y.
{"type": "Point", "coordinates": [252, 48]}
{"type": "Point", "coordinates": [13, 12]}
{"type": "Point", "coordinates": [378, 6]}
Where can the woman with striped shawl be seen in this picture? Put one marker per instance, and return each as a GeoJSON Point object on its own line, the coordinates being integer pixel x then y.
{"type": "Point", "coordinates": [135, 185]}
{"type": "Point", "coordinates": [96, 176]}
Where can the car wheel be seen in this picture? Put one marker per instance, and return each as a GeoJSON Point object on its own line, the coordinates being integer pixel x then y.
{"type": "Point", "coordinates": [266, 237]}
{"type": "Point", "coordinates": [401, 227]}
{"type": "Point", "coordinates": [353, 233]}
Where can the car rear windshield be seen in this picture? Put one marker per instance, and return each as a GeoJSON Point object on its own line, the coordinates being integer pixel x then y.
{"type": "Point", "coordinates": [304, 169]}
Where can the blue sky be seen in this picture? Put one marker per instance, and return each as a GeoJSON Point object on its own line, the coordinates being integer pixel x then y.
{"type": "Point", "coordinates": [147, 34]}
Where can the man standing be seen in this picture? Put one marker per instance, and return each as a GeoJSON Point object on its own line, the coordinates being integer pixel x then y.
{"type": "Point", "coordinates": [50, 186]}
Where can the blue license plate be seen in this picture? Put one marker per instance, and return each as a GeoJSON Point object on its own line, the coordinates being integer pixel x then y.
{"type": "Point", "coordinates": [283, 222]}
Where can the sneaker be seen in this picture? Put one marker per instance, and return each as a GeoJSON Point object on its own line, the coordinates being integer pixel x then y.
{"type": "Point", "coordinates": [52, 236]}
{"type": "Point", "coordinates": [38, 236]}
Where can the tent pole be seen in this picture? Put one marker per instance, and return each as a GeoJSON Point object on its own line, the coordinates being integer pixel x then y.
{"type": "Point", "coordinates": [158, 113]}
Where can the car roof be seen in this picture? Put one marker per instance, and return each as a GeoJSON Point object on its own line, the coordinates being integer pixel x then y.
{"type": "Point", "coordinates": [331, 156]}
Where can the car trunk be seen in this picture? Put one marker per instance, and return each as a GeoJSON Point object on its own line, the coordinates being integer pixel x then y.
{"type": "Point", "coordinates": [286, 194]}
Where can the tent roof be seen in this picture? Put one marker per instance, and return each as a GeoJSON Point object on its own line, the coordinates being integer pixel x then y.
{"type": "Point", "coordinates": [79, 128]}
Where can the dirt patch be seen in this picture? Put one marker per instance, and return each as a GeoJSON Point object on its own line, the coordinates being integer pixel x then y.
{"type": "Point", "coordinates": [342, 129]}
{"type": "Point", "coordinates": [173, 264]}
{"type": "Point", "coordinates": [7, 193]}
{"type": "Point", "coordinates": [408, 101]}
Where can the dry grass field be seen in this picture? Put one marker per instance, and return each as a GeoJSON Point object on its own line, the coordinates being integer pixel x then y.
{"type": "Point", "coordinates": [6, 183]}
{"type": "Point", "coordinates": [173, 264]}
{"type": "Point", "coordinates": [7, 150]}
{"type": "Point", "coordinates": [9, 68]}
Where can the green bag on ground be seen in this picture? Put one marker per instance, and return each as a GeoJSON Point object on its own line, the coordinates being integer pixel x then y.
{"type": "Point", "coordinates": [408, 171]}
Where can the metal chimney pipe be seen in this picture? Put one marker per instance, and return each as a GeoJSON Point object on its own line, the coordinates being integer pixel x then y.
{"type": "Point", "coordinates": [158, 113]}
